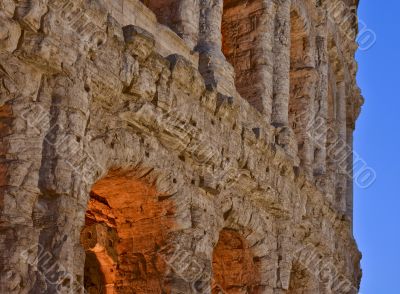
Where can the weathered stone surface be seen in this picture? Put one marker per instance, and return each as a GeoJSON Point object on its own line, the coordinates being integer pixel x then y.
{"type": "Point", "coordinates": [177, 147]}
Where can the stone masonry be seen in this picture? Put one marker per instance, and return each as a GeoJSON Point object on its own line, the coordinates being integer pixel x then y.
{"type": "Point", "coordinates": [178, 146]}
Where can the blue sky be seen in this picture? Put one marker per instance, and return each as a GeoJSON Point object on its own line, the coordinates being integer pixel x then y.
{"type": "Point", "coordinates": [377, 141]}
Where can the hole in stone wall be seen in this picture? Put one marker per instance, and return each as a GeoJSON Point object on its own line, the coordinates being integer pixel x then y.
{"type": "Point", "coordinates": [240, 30]}
{"type": "Point", "coordinates": [234, 266]}
{"type": "Point", "coordinates": [166, 11]}
{"type": "Point", "coordinates": [125, 226]}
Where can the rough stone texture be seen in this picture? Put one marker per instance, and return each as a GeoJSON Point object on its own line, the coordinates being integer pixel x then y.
{"type": "Point", "coordinates": [130, 163]}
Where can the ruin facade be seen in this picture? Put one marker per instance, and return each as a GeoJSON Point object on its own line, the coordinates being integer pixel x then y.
{"type": "Point", "coordinates": [178, 146]}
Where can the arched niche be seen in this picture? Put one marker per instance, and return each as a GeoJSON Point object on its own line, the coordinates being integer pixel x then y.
{"type": "Point", "coordinates": [234, 265]}
{"type": "Point", "coordinates": [181, 16]}
{"type": "Point", "coordinates": [126, 224]}
{"type": "Point", "coordinates": [302, 280]}
{"type": "Point", "coordinates": [244, 46]}
{"type": "Point", "coordinates": [245, 238]}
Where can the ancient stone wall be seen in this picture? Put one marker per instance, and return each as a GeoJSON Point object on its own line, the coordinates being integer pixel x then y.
{"type": "Point", "coordinates": [177, 146]}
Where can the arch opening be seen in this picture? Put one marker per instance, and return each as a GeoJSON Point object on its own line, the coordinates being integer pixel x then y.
{"type": "Point", "coordinates": [302, 281]}
{"type": "Point", "coordinates": [182, 17]}
{"type": "Point", "coordinates": [241, 45]}
{"type": "Point", "coordinates": [126, 224]}
{"type": "Point", "coordinates": [164, 10]}
{"type": "Point", "coordinates": [235, 269]}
